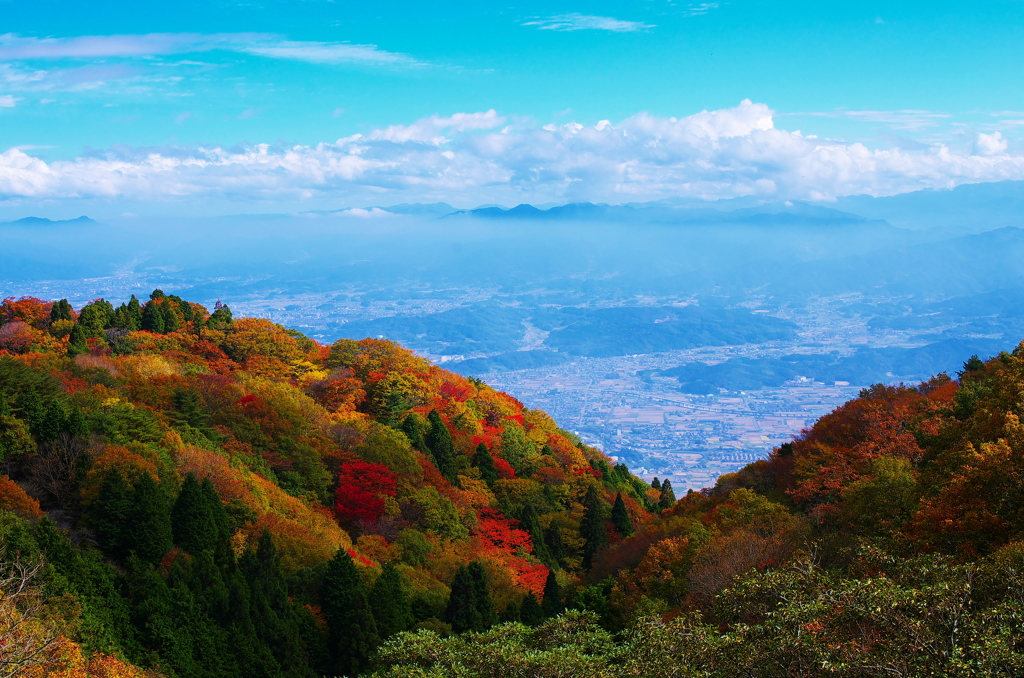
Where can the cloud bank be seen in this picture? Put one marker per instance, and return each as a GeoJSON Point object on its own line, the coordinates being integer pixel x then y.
{"type": "Point", "coordinates": [472, 158]}
{"type": "Point", "coordinates": [19, 48]}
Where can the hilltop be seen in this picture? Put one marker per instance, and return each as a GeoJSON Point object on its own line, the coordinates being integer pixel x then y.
{"type": "Point", "coordinates": [189, 493]}
{"type": "Point", "coordinates": [223, 496]}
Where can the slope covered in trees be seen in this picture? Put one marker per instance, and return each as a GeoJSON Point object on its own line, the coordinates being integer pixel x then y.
{"type": "Point", "coordinates": [185, 493]}
{"type": "Point", "coordinates": [193, 494]}
{"type": "Point", "coordinates": [887, 540]}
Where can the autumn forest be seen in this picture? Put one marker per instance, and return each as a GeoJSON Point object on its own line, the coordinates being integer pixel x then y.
{"type": "Point", "coordinates": [185, 493]}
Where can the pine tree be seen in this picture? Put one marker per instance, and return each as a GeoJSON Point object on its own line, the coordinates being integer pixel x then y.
{"type": "Point", "coordinates": [552, 603]}
{"type": "Point", "coordinates": [54, 422]}
{"type": "Point", "coordinates": [151, 534]}
{"type": "Point", "coordinates": [531, 612]}
{"type": "Point", "coordinates": [529, 521]}
{"type": "Point", "coordinates": [510, 613]}
{"type": "Point", "coordinates": [485, 462]}
{"type": "Point", "coordinates": [77, 425]}
{"type": "Point", "coordinates": [96, 316]}
{"type": "Point", "coordinates": [274, 619]}
{"type": "Point", "coordinates": [221, 317]}
{"type": "Point", "coordinates": [592, 528]}
{"type": "Point", "coordinates": [153, 318]}
{"type": "Point", "coordinates": [352, 629]}
{"type": "Point", "coordinates": [620, 517]}
{"type": "Point", "coordinates": [194, 518]}
{"type": "Point", "coordinates": [135, 313]}
{"type": "Point", "coordinates": [390, 603]}
{"type": "Point", "coordinates": [656, 484]}
{"type": "Point", "coordinates": [441, 446]}
{"type": "Point", "coordinates": [157, 294]}
{"type": "Point", "coordinates": [462, 612]}
{"type": "Point", "coordinates": [191, 411]}
{"type": "Point", "coordinates": [61, 310]}
{"type": "Point", "coordinates": [411, 429]}
{"type": "Point", "coordinates": [32, 410]}
{"type": "Point", "coordinates": [112, 514]}
{"type": "Point", "coordinates": [482, 596]}
{"type": "Point", "coordinates": [668, 496]}
{"type": "Point", "coordinates": [78, 341]}
{"type": "Point", "coordinates": [555, 544]}
{"type": "Point", "coordinates": [171, 321]}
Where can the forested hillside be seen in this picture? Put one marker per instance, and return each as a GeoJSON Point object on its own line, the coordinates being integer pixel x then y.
{"type": "Point", "coordinates": [192, 494]}
{"type": "Point", "coordinates": [884, 541]}
{"type": "Point", "coordinates": [189, 494]}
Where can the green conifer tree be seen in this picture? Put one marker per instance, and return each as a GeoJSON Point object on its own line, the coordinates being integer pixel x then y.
{"type": "Point", "coordinates": [552, 603]}
{"type": "Point", "coordinates": [352, 630]}
{"type": "Point", "coordinates": [221, 317]}
{"type": "Point", "coordinates": [171, 321]}
{"type": "Point", "coordinates": [555, 544]}
{"type": "Point", "coordinates": [153, 318]}
{"type": "Point", "coordinates": [54, 422]}
{"type": "Point", "coordinates": [656, 484]}
{"type": "Point", "coordinates": [510, 613]}
{"type": "Point", "coordinates": [390, 603]}
{"type": "Point", "coordinates": [592, 528]}
{"type": "Point", "coordinates": [61, 310]}
{"type": "Point", "coordinates": [32, 409]}
{"type": "Point", "coordinates": [194, 519]}
{"type": "Point", "coordinates": [529, 521]}
{"type": "Point", "coordinates": [135, 313]}
{"type": "Point", "coordinates": [77, 341]}
{"type": "Point", "coordinates": [191, 411]}
{"type": "Point", "coordinates": [668, 496]}
{"type": "Point", "coordinates": [439, 440]}
{"type": "Point", "coordinates": [273, 616]}
{"type": "Point", "coordinates": [485, 462]}
{"type": "Point", "coordinates": [620, 517]}
{"type": "Point", "coordinates": [411, 427]}
{"type": "Point", "coordinates": [151, 534]}
{"type": "Point", "coordinates": [482, 596]}
{"type": "Point", "coordinates": [462, 611]}
{"type": "Point", "coordinates": [531, 613]}
{"type": "Point", "coordinates": [112, 514]}
{"type": "Point", "coordinates": [77, 425]}
{"type": "Point", "coordinates": [96, 316]}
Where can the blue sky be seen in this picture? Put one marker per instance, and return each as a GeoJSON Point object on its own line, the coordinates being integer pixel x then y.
{"type": "Point", "coordinates": [244, 103]}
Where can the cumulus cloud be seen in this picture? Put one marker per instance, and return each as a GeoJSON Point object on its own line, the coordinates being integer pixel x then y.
{"type": "Point", "coordinates": [19, 48]}
{"type": "Point", "coordinates": [991, 144]}
{"type": "Point", "coordinates": [586, 22]}
{"type": "Point", "coordinates": [472, 158]}
{"type": "Point", "coordinates": [428, 130]}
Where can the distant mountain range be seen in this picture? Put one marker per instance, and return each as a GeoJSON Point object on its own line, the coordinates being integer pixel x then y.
{"type": "Point", "coordinates": [969, 208]}
{"type": "Point", "coordinates": [42, 221]}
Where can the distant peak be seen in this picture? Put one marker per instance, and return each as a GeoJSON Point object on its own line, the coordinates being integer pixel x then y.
{"type": "Point", "coordinates": [43, 221]}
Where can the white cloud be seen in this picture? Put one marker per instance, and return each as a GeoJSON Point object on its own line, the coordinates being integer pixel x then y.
{"type": "Point", "coordinates": [583, 22]}
{"type": "Point", "coordinates": [472, 158]}
{"type": "Point", "coordinates": [428, 130]}
{"type": "Point", "coordinates": [363, 213]}
{"type": "Point", "coordinates": [18, 48]}
{"type": "Point", "coordinates": [991, 144]}
{"type": "Point", "coordinates": [699, 9]}
{"type": "Point", "coordinates": [8, 101]}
